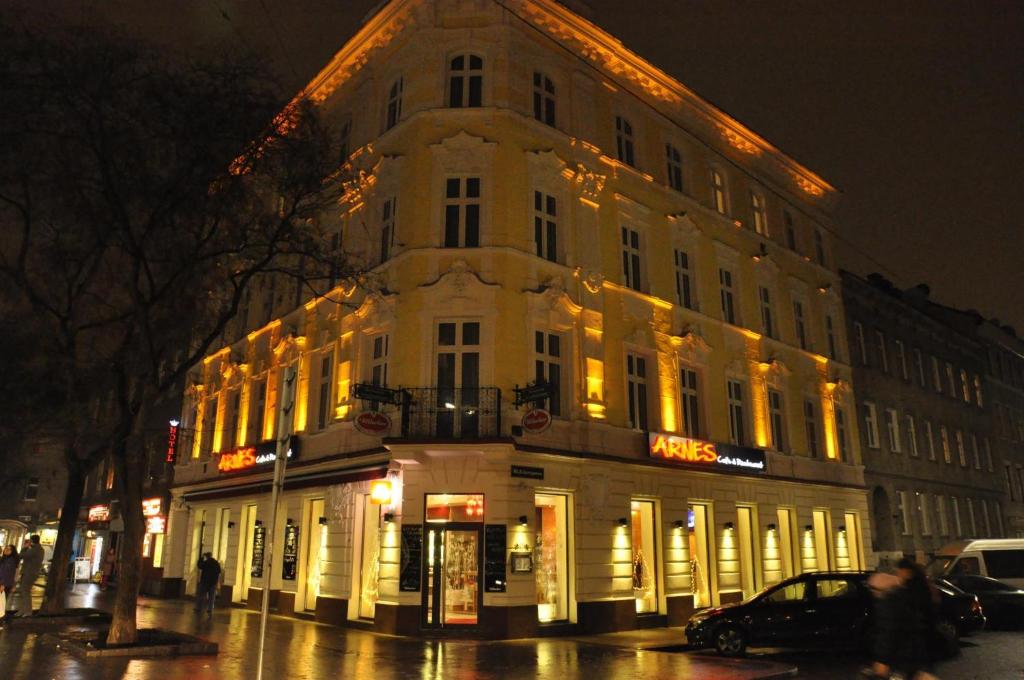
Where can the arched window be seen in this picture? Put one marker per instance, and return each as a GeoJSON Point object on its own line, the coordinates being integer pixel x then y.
{"type": "Point", "coordinates": [543, 99]}
{"type": "Point", "coordinates": [465, 81]}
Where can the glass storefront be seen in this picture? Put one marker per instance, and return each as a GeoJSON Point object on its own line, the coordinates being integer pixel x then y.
{"type": "Point", "coordinates": [746, 543]}
{"type": "Point", "coordinates": [244, 568]}
{"type": "Point", "coordinates": [316, 547]}
{"type": "Point", "coordinates": [369, 561]}
{"type": "Point", "coordinates": [551, 557]}
{"type": "Point", "coordinates": [697, 523]}
{"type": "Point", "coordinates": [453, 558]}
{"type": "Point", "coordinates": [645, 557]}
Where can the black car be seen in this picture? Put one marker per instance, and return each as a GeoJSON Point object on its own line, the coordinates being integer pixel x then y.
{"type": "Point", "coordinates": [1003, 604]}
{"type": "Point", "coordinates": [823, 608]}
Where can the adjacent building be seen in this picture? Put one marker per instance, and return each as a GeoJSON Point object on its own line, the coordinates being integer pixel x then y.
{"type": "Point", "coordinates": [32, 492]}
{"type": "Point", "coordinates": [538, 208]}
{"type": "Point", "coordinates": [925, 419]}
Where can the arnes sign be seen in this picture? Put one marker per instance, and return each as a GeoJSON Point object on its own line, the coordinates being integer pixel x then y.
{"type": "Point", "coordinates": [248, 457]}
{"type": "Point", "coordinates": [710, 455]}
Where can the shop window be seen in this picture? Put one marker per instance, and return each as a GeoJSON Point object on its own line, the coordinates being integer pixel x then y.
{"type": "Point", "coordinates": [700, 551]}
{"type": "Point", "coordinates": [551, 561]}
{"type": "Point", "coordinates": [718, 191]}
{"type": "Point", "coordinates": [850, 533]}
{"type": "Point", "coordinates": [759, 212]}
{"type": "Point", "coordinates": [369, 559]}
{"type": "Point", "coordinates": [316, 551]}
{"type": "Point", "coordinates": [645, 557]}
{"type": "Point", "coordinates": [445, 507]}
{"type": "Point", "coordinates": [822, 546]}
{"type": "Point", "coordinates": [746, 545]}
{"type": "Point", "coordinates": [465, 81]}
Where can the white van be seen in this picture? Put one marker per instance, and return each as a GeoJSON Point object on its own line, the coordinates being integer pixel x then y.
{"type": "Point", "coordinates": [998, 558]}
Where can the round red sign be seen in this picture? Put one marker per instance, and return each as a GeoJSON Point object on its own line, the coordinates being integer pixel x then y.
{"type": "Point", "coordinates": [373, 423]}
{"type": "Point", "coordinates": [536, 420]}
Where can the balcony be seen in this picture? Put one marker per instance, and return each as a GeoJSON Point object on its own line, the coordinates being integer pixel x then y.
{"type": "Point", "coordinates": [452, 413]}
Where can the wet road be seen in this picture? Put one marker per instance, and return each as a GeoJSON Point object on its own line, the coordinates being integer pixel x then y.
{"type": "Point", "coordinates": [299, 650]}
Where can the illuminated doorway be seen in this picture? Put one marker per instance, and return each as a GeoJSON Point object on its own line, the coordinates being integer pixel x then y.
{"type": "Point", "coordinates": [243, 573]}
{"type": "Point", "coordinates": [747, 549]}
{"type": "Point", "coordinates": [551, 559]}
{"type": "Point", "coordinates": [315, 551]}
{"type": "Point", "coordinates": [369, 559]}
{"type": "Point", "coordinates": [452, 593]}
{"type": "Point", "coordinates": [645, 556]}
{"type": "Point", "coordinates": [822, 544]}
{"type": "Point", "coordinates": [700, 550]}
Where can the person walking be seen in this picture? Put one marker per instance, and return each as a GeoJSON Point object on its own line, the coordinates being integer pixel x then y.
{"type": "Point", "coordinates": [31, 564]}
{"type": "Point", "coordinates": [210, 577]}
{"type": "Point", "coordinates": [8, 570]}
{"type": "Point", "coordinates": [904, 621]}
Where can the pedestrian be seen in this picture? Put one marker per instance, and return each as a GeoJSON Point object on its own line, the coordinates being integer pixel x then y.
{"type": "Point", "coordinates": [31, 564]}
{"type": "Point", "coordinates": [210, 577]}
{"type": "Point", "coordinates": [107, 568]}
{"type": "Point", "coordinates": [904, 620]}
{"type": "Point", "coordinates": [8, 570]}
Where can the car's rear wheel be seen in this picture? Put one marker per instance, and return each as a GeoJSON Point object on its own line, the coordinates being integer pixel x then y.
{"type": "Point", "coordinates": [948, 639]}
{"type": "Point", "coordinates": [730, 641]}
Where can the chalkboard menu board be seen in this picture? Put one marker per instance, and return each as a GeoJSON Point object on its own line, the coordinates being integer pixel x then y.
{"type": "Point", "coordinates": [495, 539]}
{"type": "Point", "coordinates": [412, 558]}
{"type": "Point", "coordinates": [290, 555]}
{"type": "Point", "coordinates": [259, 541]}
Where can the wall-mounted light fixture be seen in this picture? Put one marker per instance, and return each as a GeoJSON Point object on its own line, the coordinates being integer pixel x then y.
{"type": "Point", "coordinates": [389, 517]}
{"type": "Point", "coordinates": [231, 525]}
{"type": "Point", "coordinates": [842, 528]}
{"type": "Point", "coordinates": [808, 528]}
{"type": "Point", "coordinates": [380, 492]}
{"type": "Point", "coordinates": [322, 521]}
{"type": "Point", "coordinates": [523, 521]}
{"type": "Point", "coordinates": [258, 522]}
{"type": "Point", "coordinates": [678, 524]}
{"type": "Point", "coordinates": [623, 522]}
{"type": "Point", "coordinates": [729, 526]}
{"type": "Point", "coordinates": [289, 521]}
{"type": "Point", "coordinates": [771, 527]}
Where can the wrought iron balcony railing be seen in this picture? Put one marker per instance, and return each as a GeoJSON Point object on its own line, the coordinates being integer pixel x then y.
{"type": "Point", "coordinates": [452, 413]}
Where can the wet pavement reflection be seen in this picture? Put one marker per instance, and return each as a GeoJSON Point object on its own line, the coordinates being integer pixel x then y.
{"type": "Point", "coordinates": [301, 649]}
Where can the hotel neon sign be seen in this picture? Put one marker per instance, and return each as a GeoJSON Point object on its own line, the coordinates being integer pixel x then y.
{"type": "Point", "coordinates": [699, 453]}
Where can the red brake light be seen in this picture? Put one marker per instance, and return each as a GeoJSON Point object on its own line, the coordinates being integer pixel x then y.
{"type": "Point", "coordinates": [975, 605]}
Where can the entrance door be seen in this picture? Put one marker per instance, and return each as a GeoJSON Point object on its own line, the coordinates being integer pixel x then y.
{"type": "Point", "coordinates": [452, 593]}
{"type": "Point", "coordinates": [244, 567]}
{"type": "Point", "coordinates": [699, 553]}
{"type": "Point", "coordinates": [316, 551]}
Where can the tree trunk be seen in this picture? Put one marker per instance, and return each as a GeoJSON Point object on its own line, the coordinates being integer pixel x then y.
{"type": "Point", "coordinates": [57, 580]}
{"type": "Point", "coordinates": [130, 466]}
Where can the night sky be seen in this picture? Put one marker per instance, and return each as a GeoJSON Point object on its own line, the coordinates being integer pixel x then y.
{"type": "Point", "coordinates": [913, 110]}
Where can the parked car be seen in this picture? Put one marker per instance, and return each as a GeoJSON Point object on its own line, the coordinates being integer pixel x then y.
{"type": "Point", "coordinates": [1002, 603]}
{"type": "Point", "coordinates": [817, 609]}
{"type": "Point", "coordinates": [998, 558]}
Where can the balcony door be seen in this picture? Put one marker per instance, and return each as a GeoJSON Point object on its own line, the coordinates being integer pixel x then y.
{"type": "Point", "coordinates": [457, 379]}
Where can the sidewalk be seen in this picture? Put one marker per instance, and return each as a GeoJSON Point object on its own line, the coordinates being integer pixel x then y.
{"type": "Point", "coordinates": [299, 650]}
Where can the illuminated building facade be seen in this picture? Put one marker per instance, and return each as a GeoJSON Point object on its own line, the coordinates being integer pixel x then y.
{"type": "Point", "coordinates": [537, 205]}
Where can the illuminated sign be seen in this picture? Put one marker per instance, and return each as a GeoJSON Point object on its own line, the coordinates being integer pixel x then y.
{"type": "Point", "coordinates": [172, 441]}
{"type": "Point", "coordinates": [380, 492]}
{"type": "Point", "coordinates": [151, 507]}
{"type": "Point", "coordinates": [156, 525]}
{"type": "Point", "coordinates": [699, 453]}
{"type": "Point", "coordinates": [248, 457]}
{"type": "Point", "coordinates": [99, 513]}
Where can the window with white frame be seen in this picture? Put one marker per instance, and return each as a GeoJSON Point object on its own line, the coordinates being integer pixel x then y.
{"type": "Point", "coordinates": [547, 348]}
{"type": "Point", "coordinates": [776, 420]}
{"type": "Point", "coordinates": [936, 375]}
{"type": "Point", "coordinates": [543, 99]}
{"type": "Point", "coordinates": [800, 324]}
{"type": "Point", "coordinates": [819, 248]}
{"type": "Point", "coordinates": [862, 347]}
{"type": "Point", "coordinates": [767, 320]}
{"type": "Point", "coordinates": [387, 228]}
{"type": "Point", "coordinates": [379, 351]}
{"type": "Point", "coordinates": [925, 511]}
{"type": "Point", "coordinates": [965, 385]}
{"type": "Point", "coordinates": [977, 391]}
{"type": "Point", "coordinates": [631, 271]}
{"type": "Point", "coordinates": [954, 507]}
{"type": "Point", "coordinates": [940, 515]}
{"type": "Point", "coordinates": [689, 392]}
{"type": "Point", "coordinates": [465, 81]}
{"type": "Point", "coordinates": [636, 385]}
{"type": "Point", "coordinates": [911, 435]}
{"type": "Point", "coordinates": [728, 296]}
{"type": "Point", "coordinates": [685, 294]}
{"type": "Point", "coordinates": [545, 225]}
{"type": "Point", "coordinates": [892, 428]}
{"type": "Point", "coordinates": [970, 516]}
{"type": "Point", "coordinates": [919, 367]}
{"type": "Point", "coordinates": [462, 212]}
{"type": "Point", "coordinates": [871, 424]}
{"type": "Point", "coordinates": [813, 428]}
{"type": "Point", "coordinates": [951, 379]}
{"type": "Point", "coordinates": [787, 221]}
{"type": "Point", "coordinates": [883, 356]}
{"type": "Point", "coordinates": [842, 436]}
{"type": "Point", "coordinates": [975, 451]}
{"type": "Point", "coordinates": [394, 107]}
{"type": "Point", "coordinates": [760, 213]}
{"type": "Point", "coordinates": [737, 416]}
{"type": "Point", "coordinates": [903, 512]}
{"type": "Point", "coordinates": [674, 167]}
{"type": "Point", "coordinates": [929, 438]}
{"type": "Point", "coordinates": [624, 141]}
{"type": "Point", "coordinates": [830, 336]}
{"type": "Point", "coordinates": [323, 397]}
{"type": "Point", "coordinates": [947, 453]}
{"type": "Point", "coordinates": [960, 448]}
{"type": "Point", "coordinates": [901, 359]}
{"type": "Point", "coordinates": [718, 191]}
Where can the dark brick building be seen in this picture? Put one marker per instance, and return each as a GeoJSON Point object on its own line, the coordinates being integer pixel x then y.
{"type": "Point", "coordinates": [925, 420]}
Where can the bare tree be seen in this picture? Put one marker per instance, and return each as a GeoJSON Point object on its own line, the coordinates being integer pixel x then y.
{"type": "Point", "coordinates": [143, 196]}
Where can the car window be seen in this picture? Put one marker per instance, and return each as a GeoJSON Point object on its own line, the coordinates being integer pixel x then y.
{"type": "Point", "coordinates": [837, 587]}
{"type": "Point", "coordinates": [1004, 563]}
{"type": "Point", "coordinates": [966, 566]}
{"type": "Point", "coordinates": [793, 592]}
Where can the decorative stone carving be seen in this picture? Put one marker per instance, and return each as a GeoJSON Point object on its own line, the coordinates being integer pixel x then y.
{"type": "Point", "coordinates": [459, 279]}
{"type": "Point", "coordinates": [592, 280]}
{"type": "Point", "coordinates": [692, 347]}
{"type": "Point", "coordinates": [588, 183]}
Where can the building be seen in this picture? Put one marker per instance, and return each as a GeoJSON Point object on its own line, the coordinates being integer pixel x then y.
{"type": "Point", "coordinates": [32, 492]}
{"type": "Point", "coordinates": [537, 205]}
{"type": "Point", "coordinates": [926, 428]}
